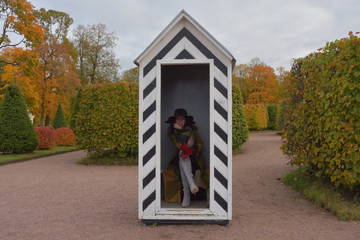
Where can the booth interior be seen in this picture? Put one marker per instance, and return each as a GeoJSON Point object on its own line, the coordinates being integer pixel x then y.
{"type": "Point", "coordinates": [184, 86]}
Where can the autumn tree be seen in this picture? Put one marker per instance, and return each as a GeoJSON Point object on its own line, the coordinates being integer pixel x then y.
{"type": "Point", "coordinates": [258, 82]}
{"type": "Point", "coordinates": [58, 80]}
{"type": "Point", "coordinates": [19, 25]}
{"type": "Point", "coordinates": [24, 74]}
{"type": "Point", "coordinates": [96, 57]}
{"type": "Point", "coordinates": [131, 75]}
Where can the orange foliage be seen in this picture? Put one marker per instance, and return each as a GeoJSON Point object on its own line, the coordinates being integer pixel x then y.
{"type": "Point", "coordinates": [64, 137]}
{"type": "Point", "coordinates": [19, 23]}
{"type": "Point", "coordinates": [58, 81]}
{"type": "Point", "coordinates": [262, 85]}
{"type": "Point", "coordinates": [23, 74]}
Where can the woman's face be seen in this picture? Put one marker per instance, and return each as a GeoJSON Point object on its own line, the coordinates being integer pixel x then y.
{"type": "Point", "coordinates": [180, 121]}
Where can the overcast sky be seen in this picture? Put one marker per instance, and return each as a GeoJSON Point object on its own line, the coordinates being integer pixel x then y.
{"type": "Point", "coordinates": [276, 31]}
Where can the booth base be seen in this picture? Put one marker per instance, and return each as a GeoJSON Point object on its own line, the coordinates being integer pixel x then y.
{"type": "Point", "coordinates": [184, 222]}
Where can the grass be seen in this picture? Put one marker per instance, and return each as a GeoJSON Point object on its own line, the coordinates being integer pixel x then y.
{"type": "Point", "coordinates": [345, 205]}
{"type": "Point", "coordinates": [12, 158]}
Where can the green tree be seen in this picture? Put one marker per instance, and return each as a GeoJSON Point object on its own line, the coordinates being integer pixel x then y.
{"type": "Point", "coordinates": [239, 128]}
{"type": "Point", "coordinates": [17, 134]}
{"type": "Point", "coordinates": [59, 120]}
{"type": "Point", "coordinates": [131, 75]}
{"type": "Point", "coordinates": [75, 110]}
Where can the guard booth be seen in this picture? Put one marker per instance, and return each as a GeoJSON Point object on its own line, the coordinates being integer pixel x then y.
{"type": "Point", "coordinates": [185, 67]}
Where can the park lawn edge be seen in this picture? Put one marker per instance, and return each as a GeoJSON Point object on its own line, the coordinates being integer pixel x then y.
{"type": "Point", "coordinates": [345, 205]}
{"type": "Point", "coordinates": [15, 158]}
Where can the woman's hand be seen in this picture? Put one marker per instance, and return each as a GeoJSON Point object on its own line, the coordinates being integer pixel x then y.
{"type": "Point", "coordinates": [176, 126]}
{"type": "Point", "coordinates": [178, 145]}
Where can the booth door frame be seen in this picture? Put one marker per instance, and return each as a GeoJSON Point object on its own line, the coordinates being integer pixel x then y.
{"type": "Point", "coordinates": [181, 213]}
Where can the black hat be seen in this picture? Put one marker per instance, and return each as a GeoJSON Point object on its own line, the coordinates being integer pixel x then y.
{"type": "Point", "coordinates": [180, 112]}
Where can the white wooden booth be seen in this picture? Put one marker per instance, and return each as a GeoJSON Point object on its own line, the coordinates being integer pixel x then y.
{"type": "Point", "coordinates": [185, 67]}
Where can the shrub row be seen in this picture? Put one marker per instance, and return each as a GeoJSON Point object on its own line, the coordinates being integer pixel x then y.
{"type": "Point", "coordinates": [107, 119]}
{"type": "Point", "coordinates": [50, 137]}
{"type": "Point", "coordinates": [240, 132]}
{"type": "Point", "coordinates": [322, 127]}
{"type": "Point", "coordinates": [256, 116]}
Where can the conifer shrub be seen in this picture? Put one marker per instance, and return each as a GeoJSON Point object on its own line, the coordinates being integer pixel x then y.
{"type": "Point", "coordinates": [64, 137]}
{"type": "Point", "coordinates": [322, 128]}
{"type": "Point", "coordinates": [272, 111]}
{"type": "Point", "coordinates": [46, 135]}
{"type": "Point", "coordinates": [59, 119]}
{"type": "Point", "coordinates": [256, 116]}
{"type": "Point", "coordinates": [107, 120]}
{"type": "Point", "coordinates": [240, 132]}
{"type": "Point", "coordinates": [17, 133]}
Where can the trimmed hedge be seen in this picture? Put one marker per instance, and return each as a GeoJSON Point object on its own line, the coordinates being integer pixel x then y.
{"type": "Point", "coordinates": [240, 132]}
{"type": "Point", "coordinates": [64, 137]}
{"type": "Point", "coordinates": [59, 119]}
{"type": "Point", "coordinates": [280, 120]}
{"type": "Point", "coordinates": [75, 110]}
{"type": "Point", "coordinates": [17, 133]}
{"type": "Point", "coordinates": [46, 135]}
{"type": "Point", "coordinates": [107, 119]}
{"type": "Point", "coordinates": [256, 116]}
{"type": "Point", "coordinates": [322, 127]}
{"type": "Point", "coordinates": [272, 110]}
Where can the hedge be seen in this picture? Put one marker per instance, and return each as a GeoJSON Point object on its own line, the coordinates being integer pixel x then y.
{"type": "Point", "coordinates": [280, 120]}
{"type": "Point", "coordinates": [75, 109]}
{"type": "Point", "coordinates": [107, 119]}
{"type": "Point", "coordinates": [256, 116]}
{"type": "Point", "coordinates": [272, 111]}
{"type": "Point", "coordinates": [17, 133]}
{"type": "Point", "coordinates": [322, 127]}
{"type": "Point", "coordinates": [240, 132]}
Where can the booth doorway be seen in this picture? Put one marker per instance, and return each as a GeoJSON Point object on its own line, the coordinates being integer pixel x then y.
{"type": "Point", "coordinates": [185, 86]}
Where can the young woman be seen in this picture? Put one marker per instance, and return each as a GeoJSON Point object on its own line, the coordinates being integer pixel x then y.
{"type": "Point", "coordinates": [188, 158]}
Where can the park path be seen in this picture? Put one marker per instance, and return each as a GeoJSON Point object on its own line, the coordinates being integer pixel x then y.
{"type": "Point", "coordinates": [55, 198]}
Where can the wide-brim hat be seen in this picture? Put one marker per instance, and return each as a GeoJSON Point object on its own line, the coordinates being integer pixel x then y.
{"type": "Point", "coordinates": [180, 112]}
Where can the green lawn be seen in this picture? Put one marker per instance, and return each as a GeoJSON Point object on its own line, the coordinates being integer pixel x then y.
{"type": "Point", "coordinates": [344, 204]}
{"type": "Point", "coordinates": [10, 158]}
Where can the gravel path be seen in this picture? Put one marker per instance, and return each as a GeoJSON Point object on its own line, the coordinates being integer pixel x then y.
{"type": "Point", "coordinates": [55, 198]}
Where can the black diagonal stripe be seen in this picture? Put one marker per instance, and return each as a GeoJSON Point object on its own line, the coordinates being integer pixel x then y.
{"type": "Point", "coordinates": [149, 155]}
{"type": "Point", "coordinates": [148, 178]}
{"type": "Point", "coordinates": [220, 178]}
{"type": "Point", "coordinates": [149, 200]}
{"type": "Point", "coordinates": [149, 111]}
{"type": "Point", "coordinates": [220, 201]}
{"type": "Point", "coordinates": [220, 132]}
{"type": "Point", "coordinates": [220, 87]}
{"type": "Point", "coordinates": [220, 110]}
{"type": "Point", "coordinates": [202, 48]}
{"type": "Point", "coordinates": [184, 55]}
{"type": "Point", "coordinates": [149, 133]}
{"type": "Point", "coordinates": [149, 88]}
{"type": "Point", "coordinates": [220, 155]}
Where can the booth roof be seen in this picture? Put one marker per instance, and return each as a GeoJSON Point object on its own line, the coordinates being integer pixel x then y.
{"type": "Point", "coordinates": [184, 14]}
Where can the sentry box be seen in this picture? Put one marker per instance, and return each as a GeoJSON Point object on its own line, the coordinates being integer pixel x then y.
{"type": "Point", "coordinates": [185, 67]}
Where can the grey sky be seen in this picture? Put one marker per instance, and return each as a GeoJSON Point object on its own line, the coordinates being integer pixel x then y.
{"type": "Point", "coordinates": [276, 31]}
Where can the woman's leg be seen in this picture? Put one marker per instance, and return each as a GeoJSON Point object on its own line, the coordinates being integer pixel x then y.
{"type": "Point", "coordinates": [185, 167]}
